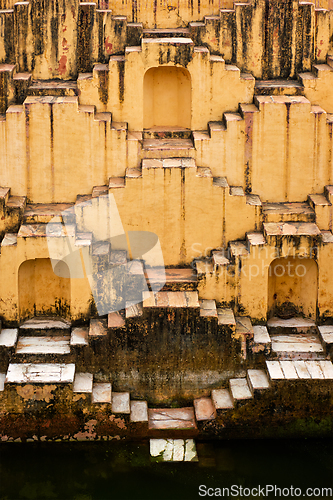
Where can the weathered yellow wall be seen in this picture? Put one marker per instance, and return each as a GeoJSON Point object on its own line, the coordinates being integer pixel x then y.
{"type": "Point", "coordinates": [41, 292]}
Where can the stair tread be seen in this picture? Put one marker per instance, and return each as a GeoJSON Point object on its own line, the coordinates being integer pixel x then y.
{"type": "Point", "coordinates": [256, 239]}
{"type": "Point", "coordinates": [238, 249]}
{"type": "Point", "coordinates": [219, 258]}
{"type": "Point", "coordinates": [172, 276]}
{"type": "Point", "coordinates": [291, 370]}
{"type": "Point", "coordinates": [164, 144]}
{"type": "Point", "coordinates": [79, 336]}
{"type": "Point", "coordinates": [101, 392]}
{"type": "Point", "coordinates": [133, 310]}
{"type": "Point", "coordinates": [115, 320]}
{"type": "Point", "coordinates": [326, 333]}
{"type": "Point", "coordinates": [16, 201]}
{"type": "Point", "coordinates": [319, 199]}
{"type": "Point", "coordinates": [121, 402]}
{"type": "Point", "coordinates": [83, 382]}
{"type": "Point", "coordinates": [44, 323]}
{"type": "Point", "coordinates": [8, 337]}
{"type": "Point", "coordinates": [291, 228]}
{"type": "Point", "coordinates": [222, 399]}
{"type": "Point", "coordinates": [226, 316]}
{"type": "Point", "coordinates": [273, 84]}
{"type": "Point", "coordinates": [171, 418]}
{"type": "Point", "coordinates": [53, 84]}
{"type": "Point", "coordinates": [208, 308]}
{"type": "Point", "coordinates": [244, 325]}
{"type": "Point", "coordinates": [50, 209]}
{"type": "Point", "coordinates": [98, 328]}
{"type": "Point", "coordinates": [40, 373]}
{"type": "Point", "coordinates": [139, 411]}
{"type": "Point", "coordinates": [239, 389]}
{"type": "Point", "coordinates": [261, 335]}
{"type": "Point", "coordinates": [258, 379]}
{"type": "Point", "coordinates": [43, 345]}
{"type": "Point", "coordinates": [10, 239]}
{"type": "Point", "coordinates": [204, 409]}
{"type": "Point", "coordinates": [296, 322]}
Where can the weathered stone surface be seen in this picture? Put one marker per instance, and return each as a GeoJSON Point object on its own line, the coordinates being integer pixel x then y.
{"type": "Point", "coordinates": [315, 370]}
{"type": "Point", "coordinates": [291, 229]}
{"type": "Point", "coordinates": [244, 326]}
{"type": "Point", "coordinates": [258, 380]}
{"type": "Point", "coordinates": [208, 308]}
{"type": "Point", "coordinates": [226, 317]}
{"type": "Point", "coordinates": [41, 373]}
{"type": "Point", "coordinates": [301, 370]}
{"type": "Point", "coordinates": [204, 409]}
{"type": "Point", "coordinates": [222, 399]}
{"type": "Point", "coordinates": [327, 369]}
{"type": "Point", "coordinates": [115, 320]}
{"type": "Point", "coordinates": [295, 346]}
{"type": "Point", "coordinates": [101, 393]}
{"type": "Point", "coordinates": [133, 310]}
{"type": "Point", "coordinates": [139, 411]}
{"type": "Point", "coordinates": [8, 337]}
{"type": "Point", "coordinates": [45, 324]}
{"type": "Point", "coordinates": [83, 382]}
{"type": "Point", "coordinates": [171, 418]}
{"type": "Point", "coordinates": [239, 389]}
{"type": "Point", "coordinates": [274, 370]}
{"type": "Point", "coordinates": [289, 370]}
{"type": "Point", "coordinates": [297, 322]}
{"type": "Point", "coordinates": [98, 328]}
{"type": "Point", "coordinates": [121, 402]}
{"type": "Point", "coordinates": [79, 336]}
{"type": "Point", "coordinates": [261, 335]}
{"type": "Point", "coordinates": [43, 345]}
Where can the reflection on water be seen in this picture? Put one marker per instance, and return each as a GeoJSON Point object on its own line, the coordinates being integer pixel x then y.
{"type": "Point", "coordinates": [123, 471]}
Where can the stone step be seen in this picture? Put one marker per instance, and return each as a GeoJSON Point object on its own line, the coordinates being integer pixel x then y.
{"type": "Point", "coordinates": [220, 259]}
{"type": "Point", "coordinates": [326, 337]}
{"type": "Point", "coordinates": [53, 88]}
{"type": "Point", "coordinates": [238, 249]}
{"type": "Point", "coordinates": [297, 324]}
{"type": "Point", "coordinates": [139, 411]}
{"type": "Point", "coordinates": [261, 338]}
{"type": "Point", "coordinates": [40, 373]}
{"type": "Point", "coordinates": [172, 421]}
{"type": "Point", "coordinates": [297, 346]}
{"type": "Point", "coordinates": [177, 279]}
{"type": "Point", "coordinates": [244, 326]}
{"type": "Point", "coordinates": [257, 381]}
{"type": "Point", "coordinates": [299, 370]}
{"type": "Point", "coordinates": [208, 309]}
{"type": "Point", "coordinates": [79, 336]}
{"type": "Point", "coordinates": [272, 230]}
{"type": "Point", "coordinates": [222, 400]}
{"type": "Point", "coordinates": [320, 69]}
{"type": "Point", "coordinates": [121, 403]}
{"type": "Point", "coordinates": [182, 299]}
{"type": "Point", "coordinates": [16, 203]}
{"type": "Point", "coordinates": [166, 33]}
{"type": "Point", "coordinates": [173, 450]}
{"type": "Point", "coordinates": [45, 325]}
{"type": "Point", "coordinates": [255, 240]}
{"type": "Point", "coordinates": [101, 393]}
{"type": "Point", "coordinates": [116, 320]}
{"type": "Point", "coordinates": [83, 383]}
{"type": "Point", "coordinates": [204, 409]}
{"type": "Point", "coordinates": [240, 391]}
{"type": "Point", "coordinates": [133, 310]}
{"type": "Point", "coordinates": [225, 317]}
{"type": "Point", "coordinates": [42, 213]}
{"type": "Point", "coordinates": [167, 133]}
{"type": "Point", "coordinates": [330, 61]}
{"type": "Point", "coordinates": [167, 148]}
{"type": "Point", "coordinates": [97, 328]}
{"type": "Point", "coordinates": [43, 345]}
{"type": "Point", "coordinates": [278, 87]}
{"type": "Point", "coordinates": [8, 338]}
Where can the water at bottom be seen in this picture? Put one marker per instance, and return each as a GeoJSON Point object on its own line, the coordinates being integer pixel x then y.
{"type": "Point", "coordinates": [123, 471]}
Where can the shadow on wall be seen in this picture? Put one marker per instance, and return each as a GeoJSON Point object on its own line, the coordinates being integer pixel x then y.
{"type": "Point", "coordinates": [167, 97]}
{"type": "Point", "coordinates": [292, 288]}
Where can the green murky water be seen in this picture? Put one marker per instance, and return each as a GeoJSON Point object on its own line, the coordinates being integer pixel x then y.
{"type": "Point", "coordinates": [123, 471]}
